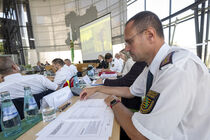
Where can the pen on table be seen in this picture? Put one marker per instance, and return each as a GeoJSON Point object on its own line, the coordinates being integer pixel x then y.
{"type": "Point", "coordinates": [64, 107]}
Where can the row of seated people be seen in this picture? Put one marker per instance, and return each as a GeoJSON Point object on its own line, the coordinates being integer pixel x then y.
{"type": "Point", "coordinates": [64, 71]}
{"type": "Point", "coordinates": [40, 84]}
{"type": "Point", "coordinates": [121, 64]}
{"type": "Point", "coordinates": [13, 81]}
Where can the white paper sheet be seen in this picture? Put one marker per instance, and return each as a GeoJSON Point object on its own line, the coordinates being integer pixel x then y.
{"type": "Point", "coordinates": [85, 120]}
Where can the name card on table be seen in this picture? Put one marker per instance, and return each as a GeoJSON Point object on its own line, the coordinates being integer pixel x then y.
{"type": "Point", "coordinates": [87, 80]}
{"type": "Point", "coordinates": [58, 97]}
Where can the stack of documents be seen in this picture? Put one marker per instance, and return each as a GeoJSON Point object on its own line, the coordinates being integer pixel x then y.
{"type": "Point", "coordinates": [85, 120]}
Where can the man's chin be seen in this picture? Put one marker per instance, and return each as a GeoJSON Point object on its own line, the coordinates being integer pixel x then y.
{"type": "Point", "coordinates": [133, 57]}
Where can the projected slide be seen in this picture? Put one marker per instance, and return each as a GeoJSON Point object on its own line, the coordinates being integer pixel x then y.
{"type": "Point", "coordinates": [95, 38]}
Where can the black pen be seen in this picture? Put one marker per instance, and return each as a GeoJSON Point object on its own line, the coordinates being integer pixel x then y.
{"type": "Point", "coordinates": [64, 107]}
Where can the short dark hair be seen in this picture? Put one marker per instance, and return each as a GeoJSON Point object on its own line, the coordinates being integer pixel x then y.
{"type": "Point", "coordinates": [67, 60]}
{"type": "Point", "coordinates": [108, 56]}
{"type": "Point", "coordinates": [58, 61]}
{"type": "Point", "coordinates": [5, 65]}
{"type": "Point", "coordinates": [101, 56]}
{"type": "Point", "coordinates": [143, 20]}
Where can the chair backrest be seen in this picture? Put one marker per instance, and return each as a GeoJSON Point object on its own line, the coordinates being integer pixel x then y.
{"type": "Point", "coordinates": [19, 104]}
{"type": "Point", "coordinates": [72, 82]}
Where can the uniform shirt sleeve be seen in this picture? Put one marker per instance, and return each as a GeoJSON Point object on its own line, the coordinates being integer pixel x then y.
{"type": "Point", "coordinates": [48, 84]}
{"type": "Point", "coordinates": [175, 100]}
{"type": "Point", "coordinates": [138, 88]}
{"type": "Point", "coordinates": [60, 78]}
{"type": "Point", "coordinates": [75, 69]}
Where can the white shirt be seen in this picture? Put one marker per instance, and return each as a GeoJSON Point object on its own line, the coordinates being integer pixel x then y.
{"type": "Point", "coordinates": [128, 65]}
{"type": "Point", "coordinates": [115, 65]}
{"type": "Point", "coordinates": [182, 109]}
{"type": "Point", "coordinates": [121, 61]}
{"type": "Point", "coordinates": [62, 75]}
{"type": "Point", "coordinates": [15, 83]}
{"type": "Point", "coordinates": [73, 69]}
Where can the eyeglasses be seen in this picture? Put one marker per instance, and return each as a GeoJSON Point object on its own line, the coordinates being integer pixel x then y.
{"type": "Point", "coordinates": [130, 40]}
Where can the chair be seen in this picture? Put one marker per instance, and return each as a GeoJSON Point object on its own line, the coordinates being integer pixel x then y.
{"type": "Point", "coordinates": [70, 83]}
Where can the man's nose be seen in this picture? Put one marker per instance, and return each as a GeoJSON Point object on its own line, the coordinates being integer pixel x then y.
{"type": "Point", "coordinates": [127, 48]}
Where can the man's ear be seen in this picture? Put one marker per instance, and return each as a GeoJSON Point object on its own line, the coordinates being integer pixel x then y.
{"type": "Point", "coordinates": [151, 34]}
{"type": "Point", "coordinates": [15, 68]}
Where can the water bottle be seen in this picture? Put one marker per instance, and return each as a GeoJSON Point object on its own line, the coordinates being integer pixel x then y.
{"type": "Point", "coordinates": [76, 81]}
{"type": "Point", "coordinates": [91, 72]}
{"type": "Point", "coordinates": [10, 119]}
{"type": "Point", "coordinates": [30, 106]}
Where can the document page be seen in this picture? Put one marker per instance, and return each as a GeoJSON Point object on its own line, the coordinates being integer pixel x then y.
{"type": "Point", "coordinates": [90, 119]}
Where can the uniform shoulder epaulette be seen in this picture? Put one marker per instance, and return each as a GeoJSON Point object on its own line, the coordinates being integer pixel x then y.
{"type": "Point", "coordinates": [167, 60]}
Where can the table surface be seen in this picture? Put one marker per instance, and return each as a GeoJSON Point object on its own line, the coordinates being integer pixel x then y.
{"type": "Point", "coordinates": [31, 133]}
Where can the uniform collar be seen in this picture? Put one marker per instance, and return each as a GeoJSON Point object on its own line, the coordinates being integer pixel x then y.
{"type": "Point", "coordinates": [11, 77]}
{"type": "Point", "coordinates": [66, 66]}
{"type": "Point", "coordinates": [162, 53]}
{"type": "Point", "coordinates": [60, 69]}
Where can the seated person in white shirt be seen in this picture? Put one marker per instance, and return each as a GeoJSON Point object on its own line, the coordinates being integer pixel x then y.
{"type": "Point", "coordinates": [14, 82]}
{"type": "Point", "coordinates": [175, 84]}
{"type": "Point", "coordinates": [62, 72]}
{"type": "Point", "coordinates": [114, 64]}
{"type": "Point", "coordinates": [128, 62]}
{"type": "Point", "coordinates": [117, 56]}
{"type": "Point", "coordinates": [72, 68]}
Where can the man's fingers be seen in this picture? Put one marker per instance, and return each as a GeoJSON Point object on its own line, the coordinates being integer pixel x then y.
{"type": "Point", "coordinates": [83, 96]}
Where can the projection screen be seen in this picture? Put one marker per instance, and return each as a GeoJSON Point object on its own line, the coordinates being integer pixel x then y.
{"type": "Point", "coordinates": [95, 38]}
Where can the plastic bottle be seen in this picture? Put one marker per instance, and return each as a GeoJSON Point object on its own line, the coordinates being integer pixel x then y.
{"type": "Point", "coordinates": [76, 81]}
{"type": "Point", "coordinates": [30, 106]}
{"type": "Point", "coordinates": [10, 119]}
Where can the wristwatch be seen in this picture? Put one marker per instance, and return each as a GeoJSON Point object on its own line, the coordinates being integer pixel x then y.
{"type": "Point", "coordinates": [114, 102]}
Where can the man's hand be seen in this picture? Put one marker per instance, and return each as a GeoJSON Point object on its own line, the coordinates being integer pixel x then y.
{"type": "Point", "coordinates": [86, 92]}
{"type": "Point", "coordinates": [51, 78]}
{"type": "Point", "coordinates": [110, 98]}
{"type": "Point", "coordinates": [99, 81]}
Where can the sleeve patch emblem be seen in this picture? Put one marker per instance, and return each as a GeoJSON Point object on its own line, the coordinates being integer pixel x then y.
{"type": "Point", "coordinates": [167, 60]}
{"type": "Point", "coordinates": [149, 102]}
{"type": "Point", "coordinates": [112, 65]}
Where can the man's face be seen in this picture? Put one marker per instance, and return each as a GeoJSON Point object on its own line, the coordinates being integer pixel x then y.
{"type": "Point", "coordinates": [136, 43]}
{"type": "Point", "coordinates": [109, 60]}
{"type": "Point", "coordinates": [67, 63]}
{"type": "Point", "coordinates": [56, 66]}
